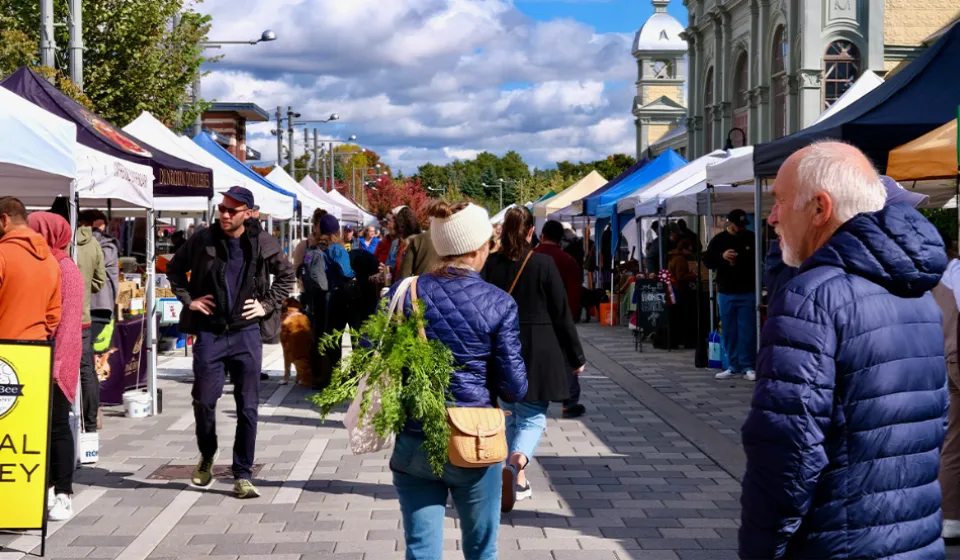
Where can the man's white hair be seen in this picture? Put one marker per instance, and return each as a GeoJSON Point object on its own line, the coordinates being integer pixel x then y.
{"type": "Point", "coordinates": [853, 186]}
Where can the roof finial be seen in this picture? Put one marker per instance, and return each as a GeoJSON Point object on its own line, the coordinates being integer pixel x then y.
{"type": "Point", "coordinates": [660, 6]}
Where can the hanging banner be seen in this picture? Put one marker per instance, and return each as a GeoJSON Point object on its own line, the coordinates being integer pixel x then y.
{"type": "Point", "coordinates": [26, 375]}
{"type": "Point", "coordinates": [121, 368]}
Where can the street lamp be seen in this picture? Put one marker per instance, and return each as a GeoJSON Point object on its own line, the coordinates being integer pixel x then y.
{"type": "Point", "coordinates": [265, 37]}
{"type": "Point", "coordinates": [498, 185]}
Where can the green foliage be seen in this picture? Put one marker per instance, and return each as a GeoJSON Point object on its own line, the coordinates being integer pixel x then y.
{"type": "Point", "coordinates": [411, 374]}
{"type": "Point", "coordinates": [945, 220]}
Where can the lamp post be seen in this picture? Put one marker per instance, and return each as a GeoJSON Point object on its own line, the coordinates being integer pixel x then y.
{"type": "Point", "coordinates": [265, 37]}
{"type": "Point", "coordinates": [441, 190]}
{"type": "Point", "coordinates": [331, 154]}
{"type": "Point", "coordinates": [729, 144]}
{"type": "Point", "coordinates": [499, 185]}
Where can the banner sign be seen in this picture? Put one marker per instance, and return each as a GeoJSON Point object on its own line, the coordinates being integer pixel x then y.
{"type": "Point", "coordinates": [26, 376]}
{"type": "Point", "coordinates": [123, 366]}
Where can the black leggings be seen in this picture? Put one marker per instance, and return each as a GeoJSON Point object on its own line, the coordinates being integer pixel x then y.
{"type": "Point", "coordinates": [63, 457]}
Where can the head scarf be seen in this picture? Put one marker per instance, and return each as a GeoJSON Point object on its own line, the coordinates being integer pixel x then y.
{"type": "Point", "coordinates": [54, 230]}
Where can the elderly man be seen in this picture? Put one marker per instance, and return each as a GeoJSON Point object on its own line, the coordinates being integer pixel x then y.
{"type": "Point", "coordinates": [843, 438]}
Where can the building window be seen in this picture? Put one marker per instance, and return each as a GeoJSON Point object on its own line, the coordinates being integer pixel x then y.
{"type": "Point", "coordinates": [741, 98]}
{"type": "Point", "coordinates": [779, 82]}
{"type": "Point", "coordinates": [662, 70]}
{"type": "Point", "coordinates": [708, 111]}
{"type": "Point", "coordinates": [841, 69]}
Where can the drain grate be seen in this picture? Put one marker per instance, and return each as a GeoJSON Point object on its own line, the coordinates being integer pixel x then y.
{"type": "Point", "coordinates": [184, 472]}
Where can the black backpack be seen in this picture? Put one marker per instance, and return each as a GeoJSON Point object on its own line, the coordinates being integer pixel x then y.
{"type": "Point", "coordinates": [313, 271]}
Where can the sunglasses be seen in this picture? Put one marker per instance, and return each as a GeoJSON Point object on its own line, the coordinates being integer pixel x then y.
{"type": "Point", "coordinates": [232, 211]}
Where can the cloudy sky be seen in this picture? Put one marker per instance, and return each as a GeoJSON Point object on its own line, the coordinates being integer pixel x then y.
{"type": "Point", "coordinates": [434, 80]}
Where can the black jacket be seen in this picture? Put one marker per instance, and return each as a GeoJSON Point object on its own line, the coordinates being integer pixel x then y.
{"type": "Point", "coordinates": [548, 337]}
{"type": "Point", "coordinates": [204, 256]}
{"type": "Point", "coordinates": [732, 279]}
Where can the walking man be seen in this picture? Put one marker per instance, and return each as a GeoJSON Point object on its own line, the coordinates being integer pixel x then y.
{"type": "Point", "coordinates": [843, 437]}
{"type": "Point", "coordinates": [228, 263]}
{"type": "Point", "coordinates": [730, 254]}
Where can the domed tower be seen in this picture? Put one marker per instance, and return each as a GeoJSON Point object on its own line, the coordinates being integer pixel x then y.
{"type": "Point", "coordinates": [659, 106]}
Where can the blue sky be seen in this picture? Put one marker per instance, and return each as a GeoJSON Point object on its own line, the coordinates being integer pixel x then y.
{"type": "Point", "coordinates": [617, 16]}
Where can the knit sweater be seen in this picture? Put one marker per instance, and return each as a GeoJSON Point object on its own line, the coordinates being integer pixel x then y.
{"type": "Point", "coordinates": [67, 338]}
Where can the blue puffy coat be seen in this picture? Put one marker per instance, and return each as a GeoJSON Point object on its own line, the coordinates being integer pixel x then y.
{"type": "Point", "coordinates": [479, 323]}
{"type": "Point", "coordinates": [848, 416]}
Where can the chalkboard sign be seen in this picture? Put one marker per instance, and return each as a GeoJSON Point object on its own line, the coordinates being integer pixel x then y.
{"type": "Point", "coordinates": [651, 297]}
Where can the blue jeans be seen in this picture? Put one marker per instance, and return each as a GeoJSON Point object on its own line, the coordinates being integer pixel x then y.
{"type": "Point", "coordinates": [423, 499]}
{"type": "Point", "coordinates": [738, 315]}
{"type": "Point", "coordinates": [525, 426]}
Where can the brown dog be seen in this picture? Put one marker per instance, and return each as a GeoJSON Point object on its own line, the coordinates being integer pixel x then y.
{"type": "Point", "coordinates": [296, 340]}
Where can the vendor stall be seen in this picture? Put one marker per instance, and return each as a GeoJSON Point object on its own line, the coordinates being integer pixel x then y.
{"type": "Point", "coordinates": [308, 200]}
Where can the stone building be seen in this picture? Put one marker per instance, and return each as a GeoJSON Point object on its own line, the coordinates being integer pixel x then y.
{"type": "Point", "coordinates": [770, 67]}
{"type": "Point", "coordinates": [228, 121]}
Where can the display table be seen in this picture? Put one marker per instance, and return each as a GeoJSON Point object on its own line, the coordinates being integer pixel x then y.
{"type": "Point", "coordinates": [124, 364]}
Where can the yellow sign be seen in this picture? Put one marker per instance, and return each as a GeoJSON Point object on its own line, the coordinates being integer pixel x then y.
{"type": "Point", "coordinates": [25, 381]}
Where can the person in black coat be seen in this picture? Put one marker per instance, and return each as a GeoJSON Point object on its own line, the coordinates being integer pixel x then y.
{"type": "Point", "coordinates": [550, 344]}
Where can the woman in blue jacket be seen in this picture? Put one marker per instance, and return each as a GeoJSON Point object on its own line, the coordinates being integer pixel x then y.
{"type": "Point", "coordinates": [478, 323]}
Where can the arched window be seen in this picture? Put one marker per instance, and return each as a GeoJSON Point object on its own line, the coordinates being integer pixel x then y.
{"type": "Point", "coordinates": [708, 111]}
{"type": "Point", "coordinates": [662, 69]}
{"type": "Point", "coordinates": [779, 82]}
{"type": "Point", "coordinates": [741, 98]}
{"type": "Point", "coordinates": [841, 68]}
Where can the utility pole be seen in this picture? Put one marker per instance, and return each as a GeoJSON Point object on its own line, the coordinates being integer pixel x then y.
{"type": "Point", "coordinates": [48, 43]}
{"type": "Point", "coordinates": [76, 42]}
{"type": "Point", "coordinates": [293, 148]}
{"type": "Point", "coordinates": [333, 175]}
{"type": "Point", "coordinates": [322, 162]}
{"type": "Point", "coordinates": [306, 150]}
{"type": "Point", "coordinates": [279, 136]}
{"type": "Point", "coordinates": [316, 156]}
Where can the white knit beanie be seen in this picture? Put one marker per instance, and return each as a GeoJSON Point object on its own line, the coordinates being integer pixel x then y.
{"type": "Point", "coordinates": [462, 233]}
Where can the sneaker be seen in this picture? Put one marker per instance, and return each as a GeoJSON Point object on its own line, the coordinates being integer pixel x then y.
{"type": "Point", "coordinates": [524, 491]}
{"type": "Point", "coordinates": [51, 498]}
{"type": "Point", "coordinates": [727, 374]}
{"type": "Point", "coordinates": [951, 531]}
{"type": "Point", "coordinates": [750, 375]}
{"type": "Point", "coordinates": [264, 377]}
{"type": "Point", "coordinates": [62, 509]}
{"type": "Point", "coordinates": [508, 495]}
{"type": "Point", "coordinates": [574, 411]}
{"type": "Point", "coordinates": [243, 489]}
{"type": "Point", "coordinates": [203, 474]}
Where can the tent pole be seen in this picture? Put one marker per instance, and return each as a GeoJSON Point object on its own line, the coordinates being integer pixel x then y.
{"type": "Point", "coordinates": [150, 317]}
{"type": "Point", "coordinates": [757, 253]}
{"type": "Point", "coordinates": [713, 318]}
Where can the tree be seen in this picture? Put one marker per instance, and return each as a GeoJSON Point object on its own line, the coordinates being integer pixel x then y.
{"type": "Point", "coordinates": [134, 61]}
{"type": "Point", "coordinates": [389, 194]}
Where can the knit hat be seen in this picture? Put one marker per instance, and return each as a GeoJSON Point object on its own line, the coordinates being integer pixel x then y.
{"type": "Point", "coordinates": [329, 224]}
{"type": "Point", "coordinates": [462, 233]}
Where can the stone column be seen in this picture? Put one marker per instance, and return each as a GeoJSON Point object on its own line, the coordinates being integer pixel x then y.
{"type": "Point", "coordinates": [693, 88]}
{"type": "Point", "coordinates": [811, 63]}
{"type": "Point", "coordinates": [726, 97]}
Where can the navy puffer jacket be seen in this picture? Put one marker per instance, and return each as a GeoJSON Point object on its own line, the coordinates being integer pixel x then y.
{"type": "Point", "coordinates": [849, 412]}
{"type": "Point", "coordinates": [478, 323]}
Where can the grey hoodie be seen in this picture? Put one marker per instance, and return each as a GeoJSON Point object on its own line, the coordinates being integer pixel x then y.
{"type": "Point", "coordinates": [105, 300]}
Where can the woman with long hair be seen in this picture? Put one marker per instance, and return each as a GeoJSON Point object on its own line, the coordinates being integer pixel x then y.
{"type": "Point", "coordinates": [369, 240]}
{"type": "Point", "coordinates": [478, 323]}
{"type": "Point", "coordinates": [406, 226]}
{"type": "Point", "coordinates": [335, 307]}
{"type": "Point", "coordinates": [551, 346]}
{"type": "Point", "coordinates": [66, 362]}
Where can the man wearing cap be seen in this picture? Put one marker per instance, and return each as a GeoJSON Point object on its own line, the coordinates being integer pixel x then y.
{"type": "Point", "coordinates": [730, 254]}
{"type": "Point", "coordinates": [350, 241]}
{"type": "Point", "coordinates": [228, 264]}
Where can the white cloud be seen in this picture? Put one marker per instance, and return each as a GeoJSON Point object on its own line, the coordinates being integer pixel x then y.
{"type": "Point", "coordinates": [430, 80]}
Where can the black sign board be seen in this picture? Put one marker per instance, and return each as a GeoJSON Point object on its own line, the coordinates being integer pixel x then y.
{"type": "Point", "coordinates": [651, 296]}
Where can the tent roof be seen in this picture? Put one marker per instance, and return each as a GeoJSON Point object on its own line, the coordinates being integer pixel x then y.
{"type": "Point", "coordinates": [308, 200]}
{"type": "Point", "coordinates": [172, 176]}
{"type": "Point", "coordinates": [918, 99]}
{"type": "Point", "coordinates": [640, 179]}
{"type": "Point", "coordinates": [932, 156]}
{"type": "Point", "coordinates": [349, 211]}
{"type": "Point", "coordinates": [365, 217]}
{"type": "Point", "coordinates": [648, 201]}
{"type": "Point", "coordinates": [272, 199]}
{"type": "Point", "coordinates": [867, 82]}
{"type": "Point", "coordinates": [38, 151]}
{"type": "Point", "coordinates": [583, 187]}
{"type": "Point", "coordinates": [580, 205]}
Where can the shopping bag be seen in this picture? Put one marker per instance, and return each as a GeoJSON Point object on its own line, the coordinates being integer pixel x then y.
{"type": "Point", "coordinates": [715, 345]}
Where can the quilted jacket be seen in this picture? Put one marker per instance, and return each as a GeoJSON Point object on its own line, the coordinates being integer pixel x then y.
{"type": "Point", "coordinates": [479, 323]}
{"type": "Point", "coordinates": [848, 415]}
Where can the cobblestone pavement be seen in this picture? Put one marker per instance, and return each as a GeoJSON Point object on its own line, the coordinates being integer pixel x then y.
{"type": "Point", "coordinates": [645, 475]}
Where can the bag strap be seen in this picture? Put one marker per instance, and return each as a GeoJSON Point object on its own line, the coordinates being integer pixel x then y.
{"type": "Point", "coordinates": [522, 266]}
{"type": "Point", "coordinates": [413, 303]}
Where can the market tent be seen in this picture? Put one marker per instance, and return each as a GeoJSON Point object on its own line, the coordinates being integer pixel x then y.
{"type": "Point", "coordinates": [365, 217]}
{"type": "Point", "coordinates": [580, 205]}
{"type": "Point", "coordinates": [582, 188]}
{"type": "Point", "coordinates": [308, 201]}
{"type": "Point", "coordinates": [171, 175]}
{"type": "Point", "coordinates": [547, 196]}
{"type": "Point", "coordinates": [919, 98]}
{"type": "Point", "coordinates": [221, 173]}
{"type": "Point", "coordinates": [38, 152]}
{"type": "Point", "coordinates": [867, 82]}
{"type": "Point", "coordinates": [932, 156]}
{"type": "Point", "coordinates": [271, 199]}
{"type": "Point", "coordinates": [352, 212]}
{"type": "Point", "coordinates": [605, 204]}
{"type": "Point", "coordinates": [649, 201]}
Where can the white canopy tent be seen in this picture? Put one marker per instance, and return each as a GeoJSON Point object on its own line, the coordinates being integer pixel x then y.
{"type": "Point", "coordinates": [351, 212]}
{"type": "Point", "coordinates": [365, 218]}
{"type": "Point", "coordinates": [867, 82]}
{"type": "Point", "coordinates": [308, 200]}
{"type": "Point", "coordinates": [649, 201]}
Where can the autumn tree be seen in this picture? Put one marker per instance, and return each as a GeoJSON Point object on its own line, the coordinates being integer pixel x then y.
{"type": "Point", "coordinates": [388, 194]}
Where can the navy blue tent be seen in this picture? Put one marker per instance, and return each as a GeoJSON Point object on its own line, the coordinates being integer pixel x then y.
{"type": "Point", "coordinates": [919, 98]}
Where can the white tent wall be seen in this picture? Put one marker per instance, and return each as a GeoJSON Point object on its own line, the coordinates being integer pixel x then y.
{"type": "Point", "coordinates": [867, 82]}
{"type": "Point", "coordinates": [363, 217]}
{"type": "Point", "coordinates": [309, 202]}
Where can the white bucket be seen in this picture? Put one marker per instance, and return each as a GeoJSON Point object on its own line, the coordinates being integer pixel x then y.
{"type": "Point", "coordinates": [136, 404]}
{"type": "Point", "coordinates": [89, 447]}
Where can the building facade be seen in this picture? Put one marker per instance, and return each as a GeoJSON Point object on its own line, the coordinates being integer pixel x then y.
{"type": "Point", "coordinates": [229, 122]}
{"type": "Point", "coordinates": [762, 69]}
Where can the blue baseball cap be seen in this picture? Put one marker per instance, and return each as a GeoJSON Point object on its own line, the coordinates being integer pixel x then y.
{"type": "Point", "coordinates": [241, 195]}
{"type": "Point", "coordinates": [896, 194]}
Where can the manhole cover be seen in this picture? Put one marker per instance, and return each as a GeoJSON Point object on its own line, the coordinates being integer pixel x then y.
{"type": "Point", "coordinates": [184, 472]}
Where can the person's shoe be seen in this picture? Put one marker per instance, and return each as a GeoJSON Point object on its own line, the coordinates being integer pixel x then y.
{"type": "Point", "coordinates": [524, 491]}
{"type": "Point", "coordinates": [203, 474]}
{"type": "Point", "coordinates": [62, 509]}
{"type": "Point", "coordinates": [243, 489]}
{"type": "Point", "coordinates": [750, 375]}
{"type": "Point", "coordinates": [264, 377]}
{"type": "Point", "coordinates": [51, 498]}
{"type": "Point", "coordinates": [951, 532]}
{"type": "Point", "coordinates": [574, 411]}
{"type": "Point", "coordinates": [727, 374]}
{"type": "Point", "coordinates": [508, 495]}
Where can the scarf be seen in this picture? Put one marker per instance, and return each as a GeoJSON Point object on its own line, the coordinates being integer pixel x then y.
{"type": "Point", "coordinates": [55, 231]}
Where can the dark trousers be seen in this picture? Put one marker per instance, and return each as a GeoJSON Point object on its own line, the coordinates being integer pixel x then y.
{"type": "Point", "coordinates": [89, 384]}
{"type": "Point", "coordinates": [574, 399]}
{"type": "Point", "coordinates": [239, 355]}
{"type": "Point", "coordinates": [62, 452]}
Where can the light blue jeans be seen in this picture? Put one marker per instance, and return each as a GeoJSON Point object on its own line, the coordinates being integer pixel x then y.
{"type": "Point", "coordinates": [739, 321]}
{"type": "Point", "coordinates": [423, 499]}
{"type": "Point", "coordinates": [525, 426]}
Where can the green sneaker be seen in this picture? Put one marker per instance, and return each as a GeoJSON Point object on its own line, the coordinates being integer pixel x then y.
{"type": "Point", "coordinates": [203, 474]}
{"type": "Point", "coordinates": [244, 489]}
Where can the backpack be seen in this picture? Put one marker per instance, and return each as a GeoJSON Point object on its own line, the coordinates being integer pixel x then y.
{"type": "Point", "coordinates": [313, 271]}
